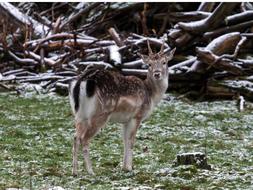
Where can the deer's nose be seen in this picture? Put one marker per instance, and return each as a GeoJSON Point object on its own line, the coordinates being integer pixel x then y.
{"type": "Point", "coordinates": [157, 75]}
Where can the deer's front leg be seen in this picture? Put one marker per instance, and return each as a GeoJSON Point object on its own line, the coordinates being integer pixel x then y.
{"type": "Point", "coordinates": [129, 133]}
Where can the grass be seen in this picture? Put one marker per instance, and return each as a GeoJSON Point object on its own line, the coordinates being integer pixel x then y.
{"type": "Point", "coordinates": [36, 135]}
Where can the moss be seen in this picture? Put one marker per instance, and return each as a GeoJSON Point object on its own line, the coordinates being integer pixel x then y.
{"type": "Point", "coordinates": [36, 142]}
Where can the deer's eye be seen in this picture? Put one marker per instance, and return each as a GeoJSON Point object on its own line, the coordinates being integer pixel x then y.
{"type": "Point", "coordinates": [164, 63]}
{"type": "Point", "coordinates": [149, 65]}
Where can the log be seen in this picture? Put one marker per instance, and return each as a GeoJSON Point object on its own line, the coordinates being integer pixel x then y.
{"type": "Point", "coordinates": [238, 27]}
{"type": "Point", "coordinates": [206, 6]}
{"type": "Point", "coordinates": [182, 16]}
{"type": "Point", "coordinates": [97, 64]}
{"type": "Point", "coordinates": [238, 18]}
{"type": "Point", "coordinates": [223, 64]}
{"type": "Point", "coordinates": [81, 43]}
{"type": "Point", "coordinates": [81, 12]}
{"type": "Point", "coordinates": [246, 6]}
{"type": "Point", "coordinates": [38, 58]}
{"type": "Point", "coordinates": [22, 60]}
{"type": "Point", "coordinates": [232, 87]}
{"type": "Point", "coordinates": [133, 64]}
{"type": "Point", "coordinates": [222, 45]}
{"type": "Point", "coordinates": [115, 36]}
{"type": "Point", "coordinates": [38, 79]}
{"type": "Point", "coordinates": [12, 72]}
{"type": "Point", "coordinates": [12, 14]}
{"type": "Point", "coordinates": [137, 72]}
{"type": "Point", "coordinates": [59, 36]}
{"type": "Point", "coordinates": [217, 91]}
{"type": "Point", "coordinates": [188, 62]}
{"type": "Point", "coordinates": [211, 22]}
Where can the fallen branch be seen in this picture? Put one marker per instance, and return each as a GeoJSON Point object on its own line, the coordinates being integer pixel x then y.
{"type": "Point", "coordinates": [12, 14]}
{"type": "Point", "coordinates": [211, 22]}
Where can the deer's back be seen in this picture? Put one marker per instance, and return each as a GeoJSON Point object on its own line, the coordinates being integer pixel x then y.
{"type": "Point", "coordinates": [122, 96]}
{"type": "Point", "coordinates": [112, 84]}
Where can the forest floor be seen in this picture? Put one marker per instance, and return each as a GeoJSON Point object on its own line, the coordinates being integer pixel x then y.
{"type": "Point", "coordinates": [36, 134]}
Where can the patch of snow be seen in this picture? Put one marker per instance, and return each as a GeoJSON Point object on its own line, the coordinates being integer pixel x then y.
{"type": "Point", "coordinates": [115, 56]}
{"type": "Point", "coordinates": [56, 188]}
{"type": "Point", "coordinates": [201, 118]}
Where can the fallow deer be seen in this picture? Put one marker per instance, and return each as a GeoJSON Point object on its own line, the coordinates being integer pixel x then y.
{"type": "Point", "coordinates": [102, 95]}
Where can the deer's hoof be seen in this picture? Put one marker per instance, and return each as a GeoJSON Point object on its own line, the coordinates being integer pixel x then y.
{"type": "Point", "coordinates": [74, 174]}
{"type": "Point", "coordinates": [127, 168]}
{"type": "Point", "coordinates": [90, 172]}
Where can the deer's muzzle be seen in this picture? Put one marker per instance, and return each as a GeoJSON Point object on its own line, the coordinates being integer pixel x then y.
{"type": "Point", "coordinates": [157, 75]}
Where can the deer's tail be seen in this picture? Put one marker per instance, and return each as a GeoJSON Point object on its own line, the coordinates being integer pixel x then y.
{"type": "Point", "coordinates": [79, 91]}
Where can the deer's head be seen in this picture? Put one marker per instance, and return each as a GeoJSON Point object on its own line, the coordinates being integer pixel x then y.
{"type": "Point", "coordinates": [157, 62]}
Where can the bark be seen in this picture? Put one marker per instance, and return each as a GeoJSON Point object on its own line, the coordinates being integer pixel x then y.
{"type": "Point", "coordinates": [12, 14]}
{"type": "Point", "coordinates": [211, 22]}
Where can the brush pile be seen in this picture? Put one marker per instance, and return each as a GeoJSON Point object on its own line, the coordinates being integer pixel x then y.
{"type": "Point", "coordinates": [49, 44]}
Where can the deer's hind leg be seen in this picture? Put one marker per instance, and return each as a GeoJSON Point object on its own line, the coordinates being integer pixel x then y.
{"type": "Point", "coordinates": [80, 130]}
{"type": "Point", "coordinates": [94, 125]}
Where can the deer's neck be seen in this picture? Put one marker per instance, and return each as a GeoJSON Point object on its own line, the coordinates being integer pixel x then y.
{"type": "Point", "coordinates": [156, 89]}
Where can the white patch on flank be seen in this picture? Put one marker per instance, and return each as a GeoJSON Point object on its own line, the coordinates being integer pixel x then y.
{"type": "Point", "coordinates": [87, 106]}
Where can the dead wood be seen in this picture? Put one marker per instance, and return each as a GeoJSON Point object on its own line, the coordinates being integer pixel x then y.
{"type": "Point", "coordinates": [183, 16]}
{"type": "Point", "coordinates": [188, 63]}
{"type": "Point", "coordinates": [12, 15]}
{"type": "Point", "coordinates": [73, 36]}
{"type": "Point", "coordinates": [81, 12]}
{"type": "Point", "coordinates": [224, 44]}
{"type": "Point", "coordinates": [238, 27]}
{"type": "Point", "coordinates": [22, 60]}
{"type": "Point", "coordinates": [206, 6]}
{"type": "Point", "coordinates": [238, 18]}
{"type": "Point", "coordinates": [219, 63]}
{"type": "Point", "coordinates": [246, 6]}
{"type": "Point", "coordinates": [115, 36]}
{"type": "Point", "coordinates": [211, 22]}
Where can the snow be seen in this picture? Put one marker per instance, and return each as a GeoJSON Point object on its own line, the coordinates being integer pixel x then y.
{"type": "Point", "coordinates": [242, 102]}
{"type": "Point", "coordinates": [115, 56]}
{"type": "Point", "coordinates": [56, 188]}
{"type": "Point", "coordinates": [96, 63]}
{"type": "Point", "coordinates": [191, 153]}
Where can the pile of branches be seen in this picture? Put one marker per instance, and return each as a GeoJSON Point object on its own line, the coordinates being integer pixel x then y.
{"type": "Point", "coordinates": [51, 43]}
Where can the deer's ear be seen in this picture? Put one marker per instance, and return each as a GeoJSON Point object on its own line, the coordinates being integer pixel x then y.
{"type": "Point", "coordinates": [170, 55]}
{"type": "Point", "coordinates": [145, 58]}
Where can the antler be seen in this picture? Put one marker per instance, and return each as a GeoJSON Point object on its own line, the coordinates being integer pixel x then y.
{"type": "Point", "coordinates": [162, 48]}
{"type": "Point", "coordinates": [150, 52]}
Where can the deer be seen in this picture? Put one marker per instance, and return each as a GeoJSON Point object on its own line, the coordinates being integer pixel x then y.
{"type": "Point", "coordinates": [100, 95]}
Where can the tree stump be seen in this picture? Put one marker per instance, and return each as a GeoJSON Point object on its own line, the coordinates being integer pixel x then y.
{"type": "Point", "coordinates": [193, 158]}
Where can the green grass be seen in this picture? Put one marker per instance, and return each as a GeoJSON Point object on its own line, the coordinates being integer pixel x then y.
{"type": "Point", "coordinates": [36, 135]}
